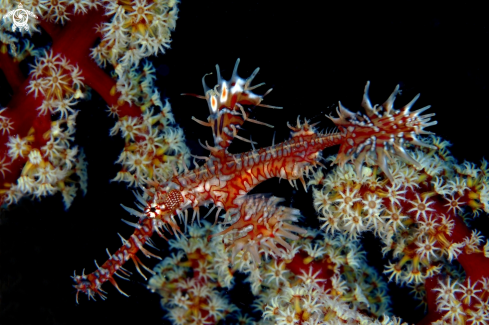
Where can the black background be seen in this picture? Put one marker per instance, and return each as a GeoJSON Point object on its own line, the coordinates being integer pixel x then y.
{"type": "Point", "coordinates": [312, 56]}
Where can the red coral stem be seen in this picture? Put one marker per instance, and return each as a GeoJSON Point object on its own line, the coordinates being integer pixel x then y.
{"type": "Point", "coordinates": [11, 69]}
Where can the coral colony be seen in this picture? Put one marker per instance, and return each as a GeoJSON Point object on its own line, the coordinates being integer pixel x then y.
{"type": "Point", "coordinates": [406, 189]}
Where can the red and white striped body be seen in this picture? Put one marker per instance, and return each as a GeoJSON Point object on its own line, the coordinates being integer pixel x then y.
{"type": "Point", "coordinates": [225, 179]}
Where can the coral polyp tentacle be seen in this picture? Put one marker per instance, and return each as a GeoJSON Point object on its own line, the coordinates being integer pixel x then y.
{"type": "Point", "coordinates": [257, 223]}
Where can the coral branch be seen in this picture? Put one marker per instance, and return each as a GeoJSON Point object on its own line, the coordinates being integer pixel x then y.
{"type": "Point", "coordinates": [10, 68]}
